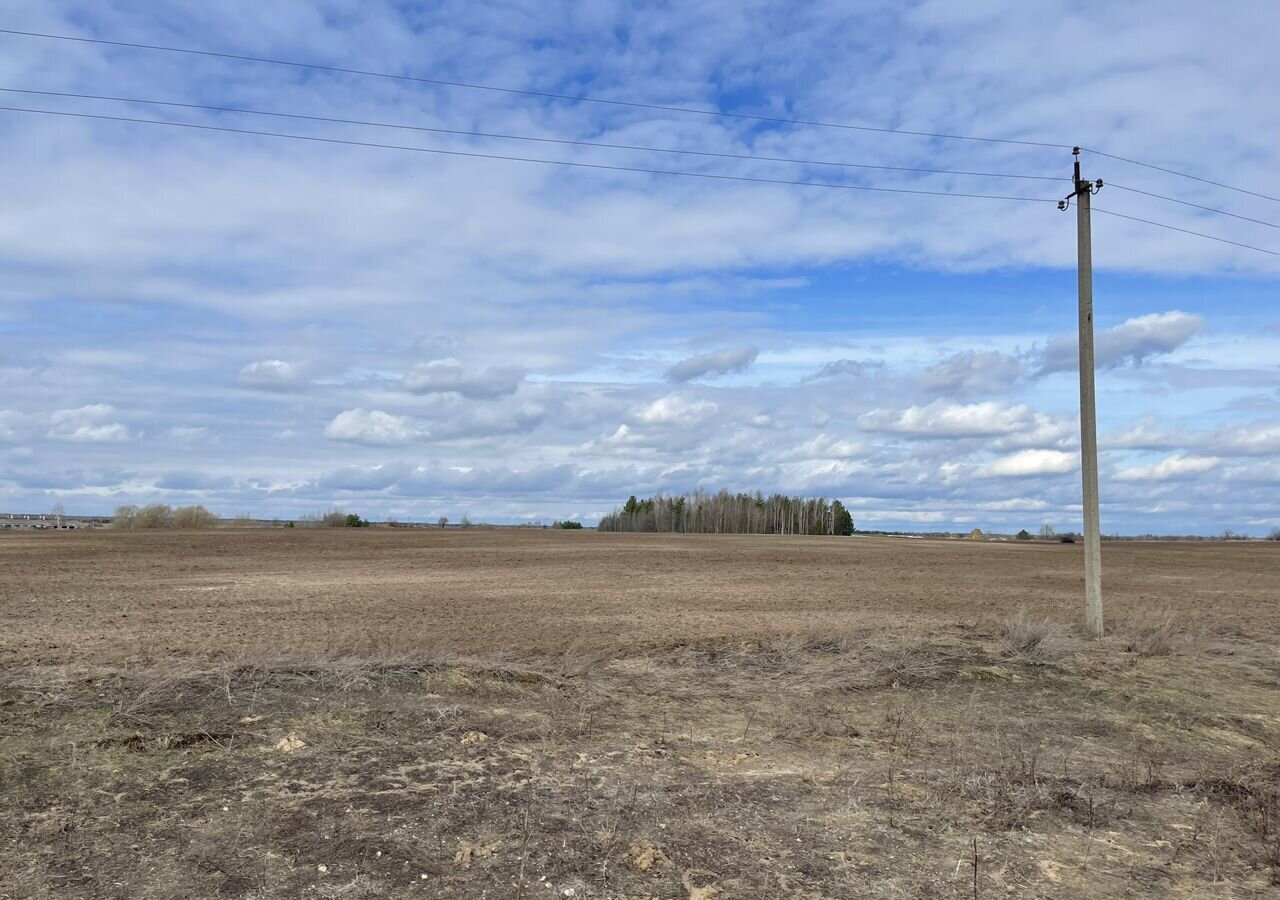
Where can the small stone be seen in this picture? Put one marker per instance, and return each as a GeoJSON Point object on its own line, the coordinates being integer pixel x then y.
{"type": "Point", "coordinates": [474, 737]}
{"type": "Point", "coordinates": [322, 868]}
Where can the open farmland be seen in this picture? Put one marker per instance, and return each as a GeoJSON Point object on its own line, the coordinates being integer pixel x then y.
{"type": "Point", "coordinates": [423, 713]}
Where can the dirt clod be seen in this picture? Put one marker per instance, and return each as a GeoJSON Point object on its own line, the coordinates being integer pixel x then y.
{"type": "Point", "coordinates": [290, 742]}
{"type": "Point", "coordinates": [645, 856]}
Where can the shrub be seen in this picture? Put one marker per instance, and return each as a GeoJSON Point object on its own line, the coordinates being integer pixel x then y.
{"type": "Point", "coordinates": [193, 517]}
{"type": "Point", "coordinates": [569, 524]}
{"type": "Point", "coordinates": [354, 521]}
{"type": "Point", "coordinates": [124, 516]}
{"type": "Point", "coordinates": [160, 515]}
{"type": "Point", "coordinates": [1156, 637]}
{"type": "Point", "coordinates": [157, 515]}
{"type": "Point", "coordinates": [1031, 639]}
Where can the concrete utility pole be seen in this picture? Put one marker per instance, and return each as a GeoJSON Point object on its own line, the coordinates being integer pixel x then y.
{"type": "Point", "coordinates": [1082, 192]}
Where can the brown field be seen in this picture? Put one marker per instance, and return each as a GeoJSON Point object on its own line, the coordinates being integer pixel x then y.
{"type": "Point", "coordinates": [557, 714]}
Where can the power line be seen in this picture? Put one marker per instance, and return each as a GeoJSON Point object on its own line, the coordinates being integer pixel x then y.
{"type": "Point", "coordinates": [611, 168]}
{"type": "Point", "coordinates": [1145, 165]}
{"type": "Point", "coordinates": [546, 95]}
{"type": "Point", "coordinates": [547, 162]}
{"type": "Point", "coordinates": [776, 120]}
{"type": "Point", "coordinates": [520, 137]}
{"type": "Point", "coordinates": [1221, 212]}
{"type": "Point", "coordinates": [1107, 212]}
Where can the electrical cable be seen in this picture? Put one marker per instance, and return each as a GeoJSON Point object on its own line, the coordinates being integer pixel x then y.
{"type": "Point", "coordinates": [1221, 212]}
{"type": "Point", "coordinates": [1146, 165]}
{"type": "Point", "coordinates": [1107, 212]}
{"type": "Point", "coordinates": [519, 137]}
{"type": "Point", "coordinates": [548, 162]}
{"type": "Point", "coordinates": [775, 120]}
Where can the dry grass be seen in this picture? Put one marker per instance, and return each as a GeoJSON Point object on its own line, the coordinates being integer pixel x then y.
{"type": "Point", "coordinates": [855, 758]}
{"type": "Point", "coordinates": [794, 767]}
{"type": "Point", "coordinates": [1156, 634]}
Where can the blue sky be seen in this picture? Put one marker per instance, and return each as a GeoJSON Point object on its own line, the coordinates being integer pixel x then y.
{"type": "Point", "coordinates": [271, 326]}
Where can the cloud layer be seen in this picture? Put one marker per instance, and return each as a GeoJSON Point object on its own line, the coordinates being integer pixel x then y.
{"type": "Point", "coordinates": [273, 326]}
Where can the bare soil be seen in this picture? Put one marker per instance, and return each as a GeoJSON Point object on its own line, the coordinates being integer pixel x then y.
{"type": "Point", "coordinates": [395, 713]}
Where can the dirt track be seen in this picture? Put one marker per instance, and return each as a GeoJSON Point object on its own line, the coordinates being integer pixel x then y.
{"type": "Point", "coordinates": [105, 597]}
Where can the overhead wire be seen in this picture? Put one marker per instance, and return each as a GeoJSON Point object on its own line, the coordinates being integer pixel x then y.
{"type": "Point", "coordinates": [530, 138]}
{"type": "Point", "coordinates": [1200, 234]}
{"type": "Point", "coordinates": [778, 120]}
{"type": "Point", "coordinates": [546, 95]}
{"type": "Point", "coordinates": [1221, 212]}
{"type": "Point", "coordinates": [508, 158]}
{"type": "Point", "coordinates": [616, 168]}
{"type": "Point", "coordinates": [1147, 165]}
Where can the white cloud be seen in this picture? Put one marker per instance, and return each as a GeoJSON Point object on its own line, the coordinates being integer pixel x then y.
{"type": "Point", "coordinates": [1253, 439]}
{"type": "Point", "coordinates": [448, 376]}
{"type": "Point", "coordinates": [842, 368]}
{"type": "Point", "coordinates": [973, 372]}
{"type": "Point", "coordinates": [1031, 462]}
{"type": "Point", "coordinates": [824, 446]}
{"type": "Point", "coordinates": [675, 409]}
{"type": "Point", "coordinates": [87, 425]}
{"type": "Point", "coordinates": [187, 433]}
{"type": "Point", "coordinates": [721, 362]}
{"type": "Point", "coordinates": [270, 375]}
{"type": "Point", "coordinates": [1144, 434]}
{"type": "Point", "coordinates": [1131, 343]}
{"type": "Point", "coordinates": [1170, 468]}
{"type": "Point", "coordinates": [11, 423]}
{"type": "Point", "coordinates": [369, 426]}
{"type": "Point", "coordinates": [941, 419]}
{"type": "Point", "coordinates": [225, 250]}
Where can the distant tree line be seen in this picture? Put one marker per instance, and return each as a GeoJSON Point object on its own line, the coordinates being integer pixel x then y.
{"type": "Point", "coordinates": [336, 517]}
{"type": "Point", "coordinates": [726, 513]}
{"type": "Point", "coordinates": [160, 515]}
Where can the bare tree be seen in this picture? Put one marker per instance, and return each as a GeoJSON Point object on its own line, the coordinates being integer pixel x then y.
{"type": "Point", "coordinates": [442, 521]}
{"type": "Point", "coordinates": [1046, 531]}
{"type": "Point", "coordinates": [725, 513]}
{"type": "Point", "coordinates": [58, 514]}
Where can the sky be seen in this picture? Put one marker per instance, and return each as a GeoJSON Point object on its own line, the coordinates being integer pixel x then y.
{"type": "Point", "coordinates": [270, 326]}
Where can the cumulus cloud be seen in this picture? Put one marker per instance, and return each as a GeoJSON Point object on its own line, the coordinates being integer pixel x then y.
{"type": "Point", "coordinates": [448, 376]}
{"type": "Point", "coordinates": [941, 419]}
{"type": "Point", "coordinates": [365, 478]}
{"type": "Point", "coordinates": [1131, 343]}
{"type": "Point", "coordinates": [841, 368]}
{"type": "Point", "coordinates": [11, 423]}
{"type": "Point", "coordinates": [1144, 434]}
{"type": "Point", "coordinates": [1031, 462]}
{"type": "Point", "coordinates": [87, 424]}
{"type": "Point", "coordinates": [676, 409]}
{"type": "Point", "coordinates": [193, 481]}
{"type": "Point", "coordinates": [825, 446]}
{"type": "Point", "coordinates": [369, 426]}
{"type": "Point", "coordinates": [721, 362]}
{"type": "Point", "coordinates": [1253, 439]}
{"type": "Point", "coordinates": [973, 372]}
{"type": "Point", "coordinates": [270, 375]}
{"type": "Point", "coordinates": [1171, 468]}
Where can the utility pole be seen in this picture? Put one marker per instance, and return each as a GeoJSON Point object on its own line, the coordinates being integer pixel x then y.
{"type": "Point", "coordinates": [1082, 191]}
